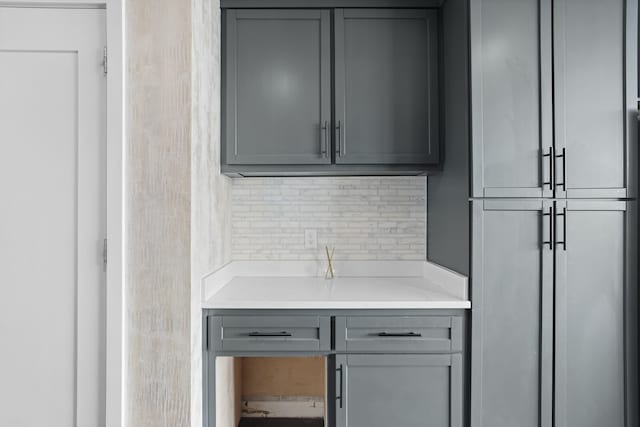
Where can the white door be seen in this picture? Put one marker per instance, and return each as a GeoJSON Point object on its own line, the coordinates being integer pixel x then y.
{"type": "Point", "coordinates": [52, 217]}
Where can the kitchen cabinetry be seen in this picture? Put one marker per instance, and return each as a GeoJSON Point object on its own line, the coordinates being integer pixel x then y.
{"type": "Point", "coordinates": [575, 137]}
{"type": "Point", "coordinates": [596, 300]}
{"type": "Point", "coordinates": [277, 104]}
{"type": "Point", "coordinates": [511, 84]}
{"type": "Point", "coordinates": [386, 102]}
{"type": "Point", "coordinates": [512, 318]}
{"type": "Point", "coordinates": [399, 390]}
{"type": "Point", "coordinates": [517, 247]}
{"type": "Point", "coordinates": [595, 97]}
{"type": "Point", "coordinates": [392, 367]}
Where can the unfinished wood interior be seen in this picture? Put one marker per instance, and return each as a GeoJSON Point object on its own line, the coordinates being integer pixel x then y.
{"type": "Point", "coordinates": [271, 388]}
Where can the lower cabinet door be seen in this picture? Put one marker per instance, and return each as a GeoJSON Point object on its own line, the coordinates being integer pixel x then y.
{"type": "Point", "coordinates": [512, 323]}
{"type": "Point", "coordinates": [399, 390]}
{"type": "Point", "coordinates": [596, 372]}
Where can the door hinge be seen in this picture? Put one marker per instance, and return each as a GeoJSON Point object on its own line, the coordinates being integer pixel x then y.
{"type": "Point", "coordinates": [104, 60]}
{"type": "Point", "coordinates": [104, 255]}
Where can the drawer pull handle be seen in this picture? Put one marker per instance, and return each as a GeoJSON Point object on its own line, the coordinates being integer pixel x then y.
{"type": "Point", "coordinates": [399, 334]}
{"type": "Point", "coordinates": [270, 334]}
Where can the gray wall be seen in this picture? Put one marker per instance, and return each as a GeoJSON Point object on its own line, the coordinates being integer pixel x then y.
{"type": "Point", "coordinates": [158, 210]}
{"type": "Point", "coordinates": [448, 192]}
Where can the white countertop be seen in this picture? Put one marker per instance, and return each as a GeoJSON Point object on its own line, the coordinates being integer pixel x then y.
{"type": "Point", "coordinates": [358, 285]}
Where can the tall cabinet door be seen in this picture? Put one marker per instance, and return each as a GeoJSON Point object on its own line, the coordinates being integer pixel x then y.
{"type": "Point", "coordinates": [278, 87]}
{"type": "Point", "coordinates": [595, 61]}
{"type": "Point", "coordinates": [596, 298]}
{"type": "Point", "coordinates": [511, 90]}
{"type": "Point", "coordinates": [386, 86]}
{"type": "Point", "coordinates": [376, 390]}
{"type": "Point", "coordinates": [512, 314]}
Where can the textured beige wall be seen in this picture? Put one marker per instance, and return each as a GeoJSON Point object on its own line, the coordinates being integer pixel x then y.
{"type": "Point", "coordinates": [211, 207]}
{"type": "Point", "coordinates": [157, 168]}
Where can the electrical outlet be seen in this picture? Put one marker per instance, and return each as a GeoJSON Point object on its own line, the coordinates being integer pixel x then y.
{"type": "Point", "coordinates": [310, 239]}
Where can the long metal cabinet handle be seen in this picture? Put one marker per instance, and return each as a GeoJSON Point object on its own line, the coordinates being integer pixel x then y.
{"type": "Point", "coordinates": [323, 139]}
{"type": "Point", "coordinates": [563, 242]}
{"type": "Point", "coordinates": [270, 334]}
{"type": "Point", "coordinates": [339, 397]}
{"type": "Point", "coordinates": [564, 169]}
{"type": "Point", "coordinates": [399, 334]}
{"type": "Point", "coordinates": [550, 241]}
{"type": "Point", "coordinates": [551, 155]}
{"type": "Point", "coordinates": [339, 136]}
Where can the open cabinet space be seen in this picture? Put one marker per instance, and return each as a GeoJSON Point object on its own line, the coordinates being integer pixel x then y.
{"type": "Point", "coordinates": [272, 391]}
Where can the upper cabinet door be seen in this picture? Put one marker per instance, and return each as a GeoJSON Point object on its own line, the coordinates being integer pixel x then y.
{"type": "Point", "coordinates": [386, 90]}
{"type": "Point", "coordinates": [277, 104]}
{"type": "Point", "coordinates": [595, 61]}
{"type": "Point", "coordinates": [511, 87]}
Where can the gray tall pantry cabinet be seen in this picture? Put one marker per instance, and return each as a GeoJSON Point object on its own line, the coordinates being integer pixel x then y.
{"type": "Point", "coordinates": [554, 88]}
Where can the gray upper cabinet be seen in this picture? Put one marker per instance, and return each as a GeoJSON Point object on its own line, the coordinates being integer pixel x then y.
{"type": "Point", "coordinates": [554, 98]}
{"type": "Point", "coordinates": [399, 390]}
{"type": "Point", "coordinates": [386, 86]}
{"type": "Point", "coordinates": [512, 324]}
{"type": "Point", "coordinates": [595, 61]}
{"type": "Point", "coordinates": [277, 103]}
{"type": "Point", "coordinates": [596, 301]}
{"type": "Point", "coordinates": [511, 90]}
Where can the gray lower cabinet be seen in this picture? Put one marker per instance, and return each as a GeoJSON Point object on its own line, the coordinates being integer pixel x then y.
{"type": "Point", "coordinates": [596, 370]}
{"type": "Point", "coordinates": [386, 86]}
{"type": "Point", "coordinates": [277, 79]}
{"type": "Point", "coordinates": [399, 390]}
{"type": "Point", "coordinates": [398, 368]}
{"type": "Point", "coordinates": [512, 309]}
{"type": "Point", "coordinates": [554, 99]}
{"type": "Point", "coordinates": [554, 324]}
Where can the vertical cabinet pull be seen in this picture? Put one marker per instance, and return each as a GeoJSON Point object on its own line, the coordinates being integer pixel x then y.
{"type": "Point", "coordinates": [551, 155]}
{"type": "Point", "coordinates": [339, 397]}
{"type": "Point", "coordinates": [564, 169]}
{"type": "Point", "coordinates": [563, 242]}
{"type": "Point", "coordinates": [339, 137]}
{"type": "Point", "coordinates": [323, 139]}
{"type": "Point", "coordinates": [550, 241]}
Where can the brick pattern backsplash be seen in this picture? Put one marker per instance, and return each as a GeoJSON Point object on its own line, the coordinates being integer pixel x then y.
{"type": "Point", "coordinates": [364, 218]}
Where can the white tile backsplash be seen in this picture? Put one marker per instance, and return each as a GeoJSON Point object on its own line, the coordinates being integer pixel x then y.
{"type": "Point", "coordinates": [364, 218]}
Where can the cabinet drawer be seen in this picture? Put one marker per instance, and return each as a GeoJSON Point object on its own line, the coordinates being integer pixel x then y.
{"type": "Point", "coordinates": [414, 334]}
{"type": "Point", "coordinates": [239, 334]}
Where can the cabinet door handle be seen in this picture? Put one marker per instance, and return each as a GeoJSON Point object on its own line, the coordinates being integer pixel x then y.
{"type": "Point", "coordinates": [323, 139]}
{"type": "Point", "coordinates": [564, 169]}
{"type": "Point", "coordinates": [550, 241]}
{"type": "Point", "coordinates": [339, 136]}
{"type": "Point", "coordinates": [340, 388]}
{"type": "Point", "coordinates": [551, 155]}
{"type": "Point", "coordinates": [400, 334]}
{"type": "Point", "coordinates": [270, 334]}
{"type": "Point", "coordinates": [563, 242]}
